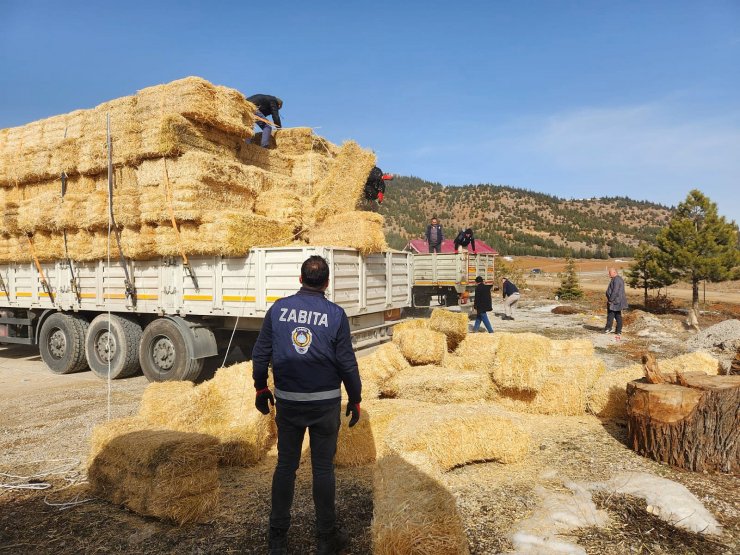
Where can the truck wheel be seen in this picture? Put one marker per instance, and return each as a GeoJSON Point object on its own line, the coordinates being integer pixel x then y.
{"type": "Point", "coordinates": [118, 347]}
{"type": "Point", "coordinates": [163, 353]}
{"type": "Point", "coordinates": [62, 343]}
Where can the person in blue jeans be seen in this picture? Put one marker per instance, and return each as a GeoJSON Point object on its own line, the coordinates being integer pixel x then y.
{"type": "Point", "coordinates": [482, 305]}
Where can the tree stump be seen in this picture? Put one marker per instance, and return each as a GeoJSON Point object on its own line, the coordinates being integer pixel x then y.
{"type": "Point", "coordinates": [695, 426]}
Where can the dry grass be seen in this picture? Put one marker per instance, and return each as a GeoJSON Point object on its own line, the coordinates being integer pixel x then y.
{"type": "Point", "coordinates": [521, 361]}
{"type": "Point", "coordinates": [476, 352]}
{"type": "Point", "coordinates": [358, 230]}
{"type": "Point", "coordinates": [437, 384]}
{"type": "Point", "coordinates": [453, 324]}
{"type": "Point", "coordinates": [377, 370]}
{"type": "Point", "coordinates": [421, 346]}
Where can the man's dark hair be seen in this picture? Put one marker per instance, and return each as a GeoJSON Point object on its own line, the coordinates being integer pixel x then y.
{"type": "Point", "coordinates": [314, 271]}
{"type": "Point", "coordinates": [479, 279]}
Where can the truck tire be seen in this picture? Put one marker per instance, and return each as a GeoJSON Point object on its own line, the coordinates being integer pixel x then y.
{"type": "Point", "coordinates": [163, 353]}
{"type": "Point", "coordinates": [120, 347]}
{"type": "Point", "coordinates": [62, 343]}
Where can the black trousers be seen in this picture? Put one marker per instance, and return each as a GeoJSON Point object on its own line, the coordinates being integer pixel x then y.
{"type": "Point", "coordinates": [435, 248]}
{"type": "Point", "coordinates": [322, 422]}
{"type": "Point", "coordinates": [612, 315]}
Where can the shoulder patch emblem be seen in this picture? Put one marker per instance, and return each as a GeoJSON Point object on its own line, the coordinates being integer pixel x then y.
{"type": "Point", "coordinates": [302, 338]}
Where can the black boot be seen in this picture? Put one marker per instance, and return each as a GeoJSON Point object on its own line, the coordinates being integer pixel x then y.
{"type": "Point", "coordinates": [278, 541]}
{"type": "Point", "coordinates": [332, 543]}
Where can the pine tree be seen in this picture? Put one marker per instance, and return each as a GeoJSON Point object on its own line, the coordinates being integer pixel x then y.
{"type": "Point", "coordinates": [698, 244]}
{"type": "Point", "coordinates": [569, 287]}
{"type": "Point", "coordinates": [647, 272]}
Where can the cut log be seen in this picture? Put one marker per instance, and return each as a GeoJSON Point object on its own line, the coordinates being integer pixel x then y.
{"type": "Point", "coordinates": [695, 427]}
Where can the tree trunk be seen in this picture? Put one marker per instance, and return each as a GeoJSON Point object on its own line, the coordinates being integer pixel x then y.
{"type": "Point", "coordinates": [695, 427]}
{"type": "Point", "coordinates": [646, 293]}
{"type": "Point", "coordinates": [695, 296]}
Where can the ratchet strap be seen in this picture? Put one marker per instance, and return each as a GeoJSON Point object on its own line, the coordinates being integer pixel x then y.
{"type": "Point", "coordinates": [73, 280]}
{"type": "Point", "coordinates": [170, 204]}
{"type": "Point", "coordinates": [44, 283]}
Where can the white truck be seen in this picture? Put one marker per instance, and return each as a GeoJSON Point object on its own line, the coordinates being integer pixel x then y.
{"type": "Point", "coordinates": [166, 317]}
{"type": "Point", "coordinates": [450, 277]}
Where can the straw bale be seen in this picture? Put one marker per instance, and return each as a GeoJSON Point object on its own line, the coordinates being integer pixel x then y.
{"type": "Point", "coordinates": [104, 433]}
{"type": "Point", "coordinates": [476, 352]}
{"type": "Point", "coordinates": [269, 160]}
{"type": "Point", "coordinates": [521, 361]}
{"type": "Point", "coordinates": [421, 346]}
{"type": "Point", "coordinates": [608, 396]}
{"type": "Point", "coordinates": [385, 362]}
{"type": "Point", "coordinates": [564, 391]}
{"type": "Point", "coordinates": [48, 246]}
{"type": "Point", "coordinates": [280, 204]}
{"type": "Point", "coordinates": [413, 513]}
{"type": "Point", "coordinates": [161, 401]}
{"type": "Point", "coordinates": [414, 323]}
{"type": "Point", "coordinates": [343, 187]}
{"type": "Point", "coordinates": [358, 230]}
{"type": "Point", "coordinates": [299, 140]}
{"type": "Point", "coordinates": [449, 439]}
{"type": "Point", "coordinates": [437, 384]}
{"type": "Point", "coordinates": [453, 324]}
{"type": "Point", "coordinates": [198, 100]}
{"type": "Point", "coordinates": [162, 473]}
{"type": "Point", "coordinates": [309, 170]}
{"type": "Point", "coordinates": [38, 212]}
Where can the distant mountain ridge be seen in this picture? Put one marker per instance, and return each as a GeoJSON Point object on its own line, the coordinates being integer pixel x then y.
{"type": "Point", "coordinates": [518, 221]}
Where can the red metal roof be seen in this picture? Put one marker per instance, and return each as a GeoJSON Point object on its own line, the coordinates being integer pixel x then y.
{"type": "Point", "coordinates": [448, 245]}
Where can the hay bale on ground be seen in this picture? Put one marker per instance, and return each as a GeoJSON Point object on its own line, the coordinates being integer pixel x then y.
{"type": "Point", "coordinates": [416, 323]}
{"type": "Point", "coordinates": [413, 513]}
{"type": "Point", "coordinates": [608, 396]}
{"type": "Point", "coordinates": [378, 368]}
{"type": "Point", "coordinates": [476, 352]}
{"type": "Point", "coordinates": [453, 324]}
{"type": "Point", "coordinates": [216, 407]}
{"type": "Point", "coordinates": [421, 346]}
{"type": "Point", "coordinates": [161, 473]}
{"type": "Point", "coordinates": [521, 361]}
{"type": "Point", "coordinates": [358, 230]}
{"type": "Point", "coordinates": [437, 384]}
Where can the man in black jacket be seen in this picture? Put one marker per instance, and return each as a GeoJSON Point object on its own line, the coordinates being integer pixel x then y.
{"type": "Point", "coordinates": [465, 238]}
{"type": "Point", "coordinates": [435, 236]}
{"type": "Point", "coordinates": [267, 105]}
{"type": "Point", "coordinates": [307, 338]}
{"type": "Point", "coordinates": [511, 298]}
{"type": "Point", "coordinates": [482, 304]}
{"type": "Point", "coordinates": [375, 186]}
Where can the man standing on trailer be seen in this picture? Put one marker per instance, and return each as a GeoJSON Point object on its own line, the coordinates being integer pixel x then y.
{"type": "Point", "coordinates": [435, 236]}
{"type": "Point", "coordinates": [307, 338]}
{"type": "Point", "coordinates": [267, 105]}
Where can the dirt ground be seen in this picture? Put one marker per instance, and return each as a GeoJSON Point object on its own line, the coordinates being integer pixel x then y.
{"type": "Point", "coordinates": [47, 421]}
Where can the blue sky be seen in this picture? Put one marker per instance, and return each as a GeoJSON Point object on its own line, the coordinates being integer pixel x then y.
{"type": "Point", "coordinates": [572, 98]}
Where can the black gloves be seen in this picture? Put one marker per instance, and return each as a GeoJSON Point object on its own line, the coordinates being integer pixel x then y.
{"type": "Point", "coordinates": [353, 408]}
{"type": "Point", "coordinates": [261, 401]}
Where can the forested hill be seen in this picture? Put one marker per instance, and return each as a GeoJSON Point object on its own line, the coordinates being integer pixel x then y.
{"type": "Point", "coordinates": [518, 221]}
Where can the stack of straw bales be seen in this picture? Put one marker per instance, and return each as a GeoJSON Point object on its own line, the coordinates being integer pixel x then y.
{"type": "Point", "coordinates": [161, 473]}
{"type": "Point", "coordinates": [608, 397]}
{"type": "Point", "coordinates": [178, 150]}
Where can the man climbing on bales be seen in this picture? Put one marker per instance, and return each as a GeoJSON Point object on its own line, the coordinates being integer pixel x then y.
{"type": "Point", "coordinates": [267, 105]}
{"type": "Point", "coordinates": [482, 304]}
{"type": "Point", "coordinates": [434, 235]}
{"type": "Point", "coordinates": [375, 186]}
{"type": "Point", "coordinates": [511, 298]}
{"type": "Point", "coordinates": [616, 302]}
{"type": "Point", "coordinates": [307, 338]}
{"type": "Point", "coordinates": [465, 238]}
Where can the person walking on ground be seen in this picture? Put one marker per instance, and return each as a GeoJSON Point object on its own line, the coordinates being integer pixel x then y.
{"type": "Point", "coordinates": [482, 304]}
{"type": "Point", "coordinates": [511, 298]}
{"type": "Point", "coordinates": [435, 236]}
{"type": "Point", "coordinates": [267, 105]}
{"type": "Point", "coordinates": [465, 238]}
{"type": "Point", "coordinates": [307, 338]}
{"type": "Point", "coordinates": [616, 302]}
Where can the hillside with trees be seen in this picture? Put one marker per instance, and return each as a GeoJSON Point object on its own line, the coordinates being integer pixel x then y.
{"type": "Point", "coordinates": [519, 221]}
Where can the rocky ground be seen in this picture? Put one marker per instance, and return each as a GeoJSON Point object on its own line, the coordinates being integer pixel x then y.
{"type": "Point", "coordinates": [47, 420]}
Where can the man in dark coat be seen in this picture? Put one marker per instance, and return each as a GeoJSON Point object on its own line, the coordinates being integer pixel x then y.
{"type": "Point", "coordinates": [267, 105]}
{"type": "Point", "coordinates": [435, 236]}
{"type": "Point", "coordinates": [482, 304]}
{"type": "Point", "coordinates": [465, 238]}
{"type": "Point", "coordinates": [616, 302]}
{"type": "Point", "coordinates": [307, 339]}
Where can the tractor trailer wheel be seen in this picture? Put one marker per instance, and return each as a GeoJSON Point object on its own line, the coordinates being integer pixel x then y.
{"type": "Point", "coordinates": [112, 346]}
{"type": "Point", "coordinates": [164, 355]}
{"type": "Point", "coordinates": [62, 343]}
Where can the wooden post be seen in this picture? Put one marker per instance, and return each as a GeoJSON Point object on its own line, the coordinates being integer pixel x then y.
{"type": "Point", "coordinates": [695, 426]}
